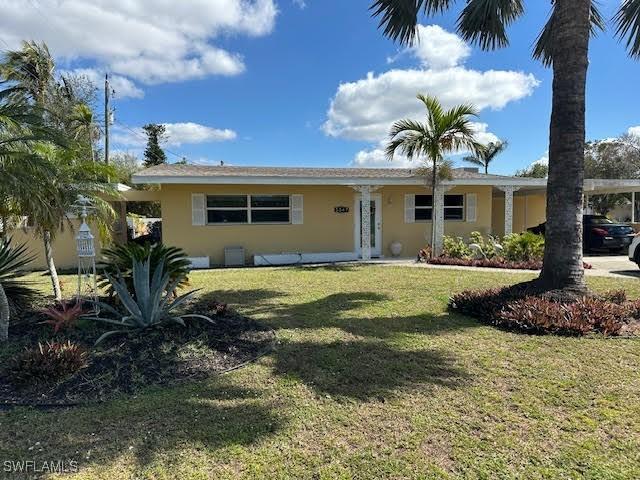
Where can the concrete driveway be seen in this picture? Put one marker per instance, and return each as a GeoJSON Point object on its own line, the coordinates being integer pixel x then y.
{"type": "Point", "coordinates": [612, 266]}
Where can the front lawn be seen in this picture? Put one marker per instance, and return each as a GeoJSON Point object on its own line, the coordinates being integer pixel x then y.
{"type": "Point", "coordinates": [372, 379]}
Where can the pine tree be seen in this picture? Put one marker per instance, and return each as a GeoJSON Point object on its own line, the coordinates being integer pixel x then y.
{"type": "Point", "coordinates": [153, 154]}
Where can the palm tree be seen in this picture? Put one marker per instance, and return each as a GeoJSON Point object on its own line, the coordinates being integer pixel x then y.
{"type": "Point", "coordinates": [445, 131]}
{"type": "Point", "coordinates": [30, 72]}
{"type": "Point", "coordinates": [83, 126]}
{"type": "Point", "coordinates": [487, 155]}
{"type": "Point", "coordinates": [564, 45]}
{"type": "Point", "coordinates": [73, 176]}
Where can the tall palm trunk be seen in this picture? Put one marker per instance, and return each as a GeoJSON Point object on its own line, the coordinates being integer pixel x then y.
{"type": "Point", "coordinates": [4, 315]}
{"type": "Point", "coordinates": [48, 252]}
{"type": "Point", "coordinates": [563, 265]}
{"type": "Point", "coordinates": [433, 207]}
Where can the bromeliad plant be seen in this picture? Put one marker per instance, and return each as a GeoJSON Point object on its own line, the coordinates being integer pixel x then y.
{"type": "Point", "coordinates": [150, 304]}
{"type": "Point", "coordinates": [64, 315]}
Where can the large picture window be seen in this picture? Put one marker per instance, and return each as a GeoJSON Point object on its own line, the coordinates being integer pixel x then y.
{"type": "Point", "coordinates": [453, 207]}
{"type": "Point", "coordinates": [248, 209]}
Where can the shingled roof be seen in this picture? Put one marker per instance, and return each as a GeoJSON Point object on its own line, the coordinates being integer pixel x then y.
{"type": "Point", "coordinates": [193, 171]}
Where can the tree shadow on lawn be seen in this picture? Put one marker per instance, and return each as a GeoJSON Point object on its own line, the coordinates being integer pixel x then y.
{"type": "Point", "coordinates": [337, 310]}
{"type": "Point", "coordinates": [366, 370]}
{"type": "Point", "coordinates": [157, 422]}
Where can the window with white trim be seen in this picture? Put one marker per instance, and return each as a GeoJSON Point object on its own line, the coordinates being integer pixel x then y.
{"type": "Point", "coordinates": [248, 209]}
{"type": "Point", "coordinates": [453, 207]}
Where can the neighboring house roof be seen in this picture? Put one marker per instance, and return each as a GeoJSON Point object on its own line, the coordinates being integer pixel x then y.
{"type": "Point", "coordinates": [201, 174]}
{"type": "Point", "coordinates": [230, 175]}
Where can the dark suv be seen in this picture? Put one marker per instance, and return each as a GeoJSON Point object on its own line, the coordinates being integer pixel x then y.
{"type": "Point", "coordinates": [600, 233]}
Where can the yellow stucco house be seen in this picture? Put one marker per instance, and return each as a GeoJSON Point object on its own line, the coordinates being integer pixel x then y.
{"type": "Point", "coordinates": [291, 215]}
{"type": "Point", "coordinates": [227, 215]}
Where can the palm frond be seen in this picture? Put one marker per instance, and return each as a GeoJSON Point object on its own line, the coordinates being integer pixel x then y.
{"type": "Point", "coordinates": [627, 21]}
{"type": "Point", "coordinates": [543, 47]}
{"type": "Point", "coordinates": [484, 22]}
{"type": "Point", "coordinates": [474, 160]}
{"type": "Point", "coordinates": [399, 18]}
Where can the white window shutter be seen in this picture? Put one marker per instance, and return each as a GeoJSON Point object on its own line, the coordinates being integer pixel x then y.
{"type": "Point", "coordinates": [472, 207]}
{"type": "Point", "coordinates": [198, 209]}
{"type": "Point", "coordinates": [297, 209]}
{"type": "Point", "coordinates": [410, 208]}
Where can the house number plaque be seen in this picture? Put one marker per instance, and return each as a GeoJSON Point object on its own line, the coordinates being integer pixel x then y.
{"type": "Point", "coordinates": [341, 209]}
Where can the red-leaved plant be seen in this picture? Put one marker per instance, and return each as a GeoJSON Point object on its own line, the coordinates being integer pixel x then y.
{"type": "Point", "coordinates": [63, 315]}
{"type": "Point", "coordinates": [48, 362]}
{"type": "Point", "coordinates": [527, 311]}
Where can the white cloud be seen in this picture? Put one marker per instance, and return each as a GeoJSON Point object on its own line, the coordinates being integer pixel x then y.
{"type": "Point", "coordinates": [177, 134]}
{"type": "Point", "coordinates": [365, 109]}
{"type": "Point", "coordinates": [543, 160]}
{"type": "Point", "coordinates": [376, 157]}
{"type": "Point", "coordinates": [301, 4]}
{"type": "Point", "coordinates": [147, 40]}
{"type": "Point", "coordinates": [635, 131]}
{"type": "Point", "coordinates": [438, 49]}
{"type": "Point", "coordinates": [123, 87]}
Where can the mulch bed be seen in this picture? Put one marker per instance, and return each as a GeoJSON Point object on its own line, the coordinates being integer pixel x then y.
{"type": "Point", "coordinates": [125, 364]}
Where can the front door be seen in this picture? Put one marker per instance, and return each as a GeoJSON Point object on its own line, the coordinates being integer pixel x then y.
{"type": "Point", "coordinates": [375, 222]}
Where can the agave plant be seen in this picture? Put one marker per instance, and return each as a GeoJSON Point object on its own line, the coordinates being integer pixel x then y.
{"type": "Point", "coordinates": [12, 293]}
{"type": "Point", "coordinates": [150, 304]}
{"type": "Point", "coordinates": [119, 260]}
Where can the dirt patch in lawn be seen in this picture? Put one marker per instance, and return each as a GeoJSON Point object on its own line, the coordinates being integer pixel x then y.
{"type": "Point", "coordinates": [128, 363]}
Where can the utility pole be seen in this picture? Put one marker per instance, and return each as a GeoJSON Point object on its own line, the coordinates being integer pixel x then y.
{"type": "Point", "coordinates": [107, 118]}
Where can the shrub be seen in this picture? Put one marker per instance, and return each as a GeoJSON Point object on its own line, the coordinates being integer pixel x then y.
{"type": "Point", "coordinates": [586, 315]}
{"type": "Point", "coordinates": [49, 362]}
{"type": "Point", "coordinates": [63, 315]}
{"type": "Point", "coordinates": [488, 245]}
{"type": "Point", "coordinates": [149, 304]}
{"type": "Point", "coordinates": [495, 262]}
{"type": "Point", "coordinates": [523, 246]}
{"type": "Point", "coordinates": [520, 309]}
{"type": "Point", "coordinates": [454, 247]}
{"type": "Point", "coordinates": [119, 260]}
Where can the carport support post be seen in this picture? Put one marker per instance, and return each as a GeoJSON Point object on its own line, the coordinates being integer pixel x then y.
{"type": "Point", "coordinates": [633, 207]}
{"type": "Point", "coordinates": [508, 207]}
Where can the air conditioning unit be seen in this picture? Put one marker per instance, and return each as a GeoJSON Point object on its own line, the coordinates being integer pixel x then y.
{"type": "Point", "coordinates": [234, 256]}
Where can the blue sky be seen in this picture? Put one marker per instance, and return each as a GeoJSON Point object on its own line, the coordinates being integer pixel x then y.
{"type": "Point", "coordinates": [261, 80]}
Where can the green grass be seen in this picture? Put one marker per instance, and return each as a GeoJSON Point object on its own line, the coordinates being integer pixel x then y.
{"type": "Point", "coordinates": [372, 378]}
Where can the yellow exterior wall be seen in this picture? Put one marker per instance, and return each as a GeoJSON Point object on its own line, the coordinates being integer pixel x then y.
{"type": "Point", "coordinates": [528, 211]}
{"type": "Point", "coordinates": [323, 230]}
{"type": "Point", "coordinates": [415, 236]}
{"type": "Point", "coordinates": [64, 247]}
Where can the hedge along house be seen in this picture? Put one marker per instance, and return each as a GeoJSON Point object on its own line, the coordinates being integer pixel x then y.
{"type": "Point", "coordinates": [224, 215]}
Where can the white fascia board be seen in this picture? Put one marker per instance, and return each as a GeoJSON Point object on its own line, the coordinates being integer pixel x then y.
{"type": "Point", "coordinates": [202, 180]}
